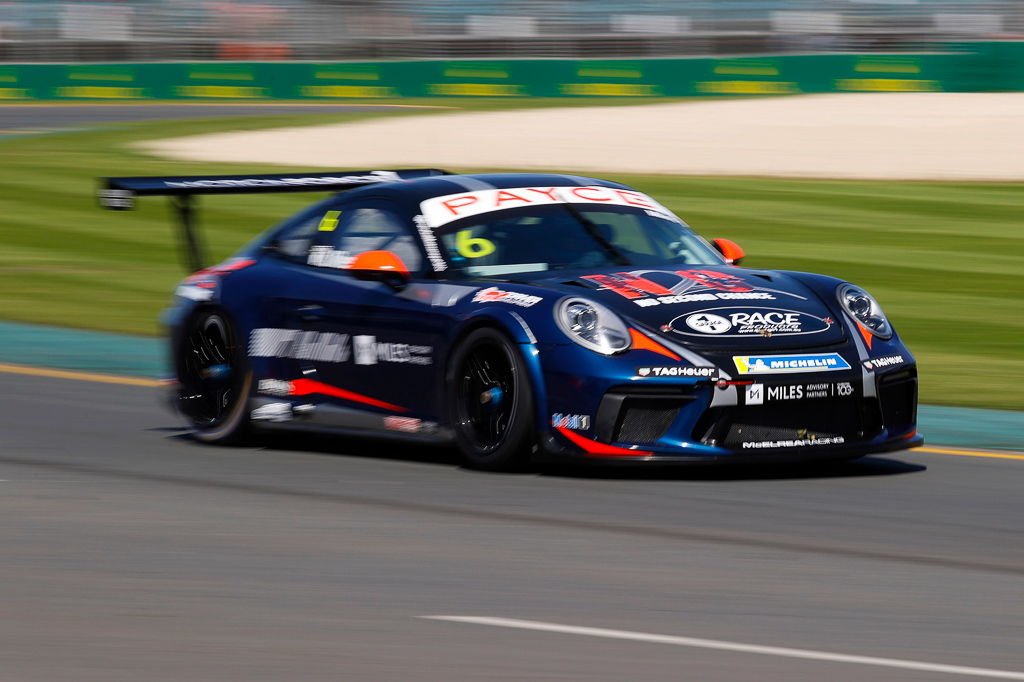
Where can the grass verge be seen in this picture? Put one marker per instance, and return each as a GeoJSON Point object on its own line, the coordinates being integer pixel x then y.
{"type": "Point", "coordinates": [944, 259]}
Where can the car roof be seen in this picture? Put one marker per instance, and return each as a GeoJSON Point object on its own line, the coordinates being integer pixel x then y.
{"type": "Point", "coordinates": [424, 188]}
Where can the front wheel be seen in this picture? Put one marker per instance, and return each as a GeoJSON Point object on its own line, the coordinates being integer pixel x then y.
{"type": "Point", "coordinates": [214, 378]}
{"type": "Point", "coordinates": [492, 401]}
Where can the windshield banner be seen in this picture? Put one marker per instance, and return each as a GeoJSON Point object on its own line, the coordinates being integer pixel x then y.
{"type": "Point", "coordinates": [439, 211]}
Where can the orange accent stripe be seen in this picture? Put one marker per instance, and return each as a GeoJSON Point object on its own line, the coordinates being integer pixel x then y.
{"type": "Point", "coordinates": [643, 342]}
{"type": "Point", "coordinates": [307, 386]}
{"type": "Point", "coordinates": [868, 336]}
{"type": "Point", "coordinates": [592, 447]}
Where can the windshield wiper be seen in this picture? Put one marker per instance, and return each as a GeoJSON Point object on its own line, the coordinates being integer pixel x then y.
{"type": "Point", "coordinates": [595, 232]}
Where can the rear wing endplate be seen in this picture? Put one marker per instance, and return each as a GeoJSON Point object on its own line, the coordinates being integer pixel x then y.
{"type": "Point", "coordinates": [120, 194]}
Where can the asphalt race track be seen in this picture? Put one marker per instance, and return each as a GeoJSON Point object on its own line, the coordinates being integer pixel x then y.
{"type": "Point", "coordinates": [130, 552]}
{"type": "Point", "coordinates": [35, 117]}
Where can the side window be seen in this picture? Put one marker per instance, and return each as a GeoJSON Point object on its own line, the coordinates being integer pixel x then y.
{"type": "Point", "coordinates": [293, 244]}
{"type": "Point", "coordinates": [342, 235]}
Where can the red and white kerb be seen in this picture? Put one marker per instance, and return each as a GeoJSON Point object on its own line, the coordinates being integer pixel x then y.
{"type": "Point", "coordinates": [439, 211]}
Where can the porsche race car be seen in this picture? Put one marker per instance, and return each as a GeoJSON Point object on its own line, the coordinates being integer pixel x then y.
{"type": "Point", "coordinates": [518, 316]}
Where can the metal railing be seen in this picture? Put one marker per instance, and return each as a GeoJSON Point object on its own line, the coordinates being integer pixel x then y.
{"type": "Point", "coordinates": [162, 30]}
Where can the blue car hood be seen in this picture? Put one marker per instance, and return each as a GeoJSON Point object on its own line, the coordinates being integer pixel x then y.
{"type": "Point", "coordinates": [712, 307]}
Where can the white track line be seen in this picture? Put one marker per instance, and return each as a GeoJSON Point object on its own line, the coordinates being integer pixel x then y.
{"type": "Point", "coordinates": [731, 646]}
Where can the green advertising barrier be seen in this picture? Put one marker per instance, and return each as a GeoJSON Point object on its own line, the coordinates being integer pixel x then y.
{"type": "Point", "coordinates": [977, 67]}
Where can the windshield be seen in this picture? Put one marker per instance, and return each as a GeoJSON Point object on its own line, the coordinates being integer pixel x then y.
{"type": "Point", "coordinates": [569, 237]}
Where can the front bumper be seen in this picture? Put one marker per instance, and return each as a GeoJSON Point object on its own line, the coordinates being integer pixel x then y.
{"type": "Point", "coordinates": [807, 417]}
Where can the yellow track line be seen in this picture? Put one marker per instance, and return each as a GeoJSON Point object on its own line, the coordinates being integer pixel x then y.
{"type": "Point", "coordinates": [139, 381]}
{"type": "Point", "coordinates": [80, 376]}
{"type": "Point", "coordinates": [971, 453]}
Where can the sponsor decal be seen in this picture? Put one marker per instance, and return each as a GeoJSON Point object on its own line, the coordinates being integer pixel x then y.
{"type": "Point", "coordinates": [274, 387]}
{"type": "Point", "coordinates": [679, 371]}
{"type": "Point", "coordinates": [575, 422]}
{"type": "Point", "coordinates": [707, 323]}
{"type": "Point", "coordinates": [439, 211]}
{"type": "Point", "coordinates": [494, 294]}
{"type": "Point", "coordinates": [883, 362]}
{"type": "Point", "coordinates": [369, 351]}
{"type": "Point", "coordinates": [374, 176]}
{"type": "Point", "coordinates": [647, 288]}
{"type": "Point", "coordinates": [116, 199]}
{"type": "Point", "coordinates": [300, 345]}
{"type": "Point", "coordinates": [272, 412]}
{"type": "Point", "coordinates": [796, 443]}
{"type": "Point", "coordinates": [782, 364]}
{"type": "Point", "coordinates": [331, 347]}
{"type": "Point", "coordinates": [759, 394]}
{"type": "Point", "coordinates": [403, 424]}
{"type": "Point", "coordinates": [735, 322]}
{"type": "Point", "coordinates": [194, 292]}
{"type": "Point", "coordinates": [429, 240]}
{"type": "Point", "coordinates": [327, 257]}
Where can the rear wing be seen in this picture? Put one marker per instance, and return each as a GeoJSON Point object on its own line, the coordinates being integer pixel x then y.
{"type": "Point", "coordinates": [120, 194]}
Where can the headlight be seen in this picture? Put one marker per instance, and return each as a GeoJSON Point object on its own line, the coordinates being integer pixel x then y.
{"type": "Point", "coordinates": [865, 309]}
{"type": "Point", "coordinates": [592, 325]}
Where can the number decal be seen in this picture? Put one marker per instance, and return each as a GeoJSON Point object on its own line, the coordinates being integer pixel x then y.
{"type": "Point", "coordinates": [473, 247]}
{"type": "Point", "coordinates": [329, 222]}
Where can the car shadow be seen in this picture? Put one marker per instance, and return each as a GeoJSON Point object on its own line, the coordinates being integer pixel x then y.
{"type": "Point", "coordinates": [422, 453]}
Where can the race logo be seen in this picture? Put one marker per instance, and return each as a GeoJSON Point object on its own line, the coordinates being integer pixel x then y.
{"type": "Point", "coordinates": [706, 323]}
{"type": "Point", "coordinates": [883, 362]}
{"type": "Point", "coordinates": [679, 371]}
{"type": "Point", "coordinates": [784, 364]}
{"type": "Point", "coordinates": [646, 288]}
{"type": "Point", "coordinates": [575, 422]}
{"type": "Point", "coordinates": [755, 394]}
{"type": "Point", "coordinates": [496, 295]}
{"type": "Point", "coordinates": [736, 322]}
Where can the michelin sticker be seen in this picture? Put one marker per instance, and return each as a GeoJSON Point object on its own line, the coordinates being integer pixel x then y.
{"type": "Point", "coordinates": [784, 364]}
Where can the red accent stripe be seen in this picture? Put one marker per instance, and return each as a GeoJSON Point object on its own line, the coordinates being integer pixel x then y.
{"type": "Point", "coordinates": [595, 449]}
{"type": "Point", "coordinates": [643, 342]}
{"type": "Point", "coordinates": [307, 386]}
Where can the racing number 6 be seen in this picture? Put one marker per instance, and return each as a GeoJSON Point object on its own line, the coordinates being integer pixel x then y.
{"type": "Point", "coordinates": [473, 247]}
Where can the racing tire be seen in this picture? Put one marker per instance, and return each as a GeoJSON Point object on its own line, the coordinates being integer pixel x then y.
{"type": "Point", "coordinates": [214, 379]}
{"type": "Point", "coordinates": [491, 402]}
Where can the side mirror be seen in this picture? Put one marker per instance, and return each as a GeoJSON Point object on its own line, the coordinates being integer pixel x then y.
{"type": "Point", "coordinates": [381, 266]}
{"type": "Point", "coordinates": [731, 250]}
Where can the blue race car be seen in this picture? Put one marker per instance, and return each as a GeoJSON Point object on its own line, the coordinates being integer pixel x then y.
{"type": "Point", "coordinates": [518, 316]}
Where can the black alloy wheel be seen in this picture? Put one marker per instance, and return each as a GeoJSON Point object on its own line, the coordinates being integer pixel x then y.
{"type": "Point", "coordinates": [492, 401]}
{"type": "Point", "coordinates": [214, 380]}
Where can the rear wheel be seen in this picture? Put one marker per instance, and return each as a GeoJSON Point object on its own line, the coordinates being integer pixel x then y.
{"type": "Point", "coordinates": [214, 378]}
{"type": "Point", "coordinates": [492, 401]}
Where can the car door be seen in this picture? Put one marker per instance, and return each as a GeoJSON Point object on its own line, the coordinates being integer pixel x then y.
{"type": "Point", "coordinates": [368, 345]}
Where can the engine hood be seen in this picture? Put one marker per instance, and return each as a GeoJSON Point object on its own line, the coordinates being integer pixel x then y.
{"type": "Point", "coordinates": [720, 307]}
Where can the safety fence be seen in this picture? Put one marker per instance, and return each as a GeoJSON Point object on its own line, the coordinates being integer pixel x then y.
{"type": "Point", "coordinates": [976, 67]}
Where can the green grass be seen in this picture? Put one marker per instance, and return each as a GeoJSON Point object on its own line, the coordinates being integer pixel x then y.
{"type": "Point", "coordinates": [946, 260]}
